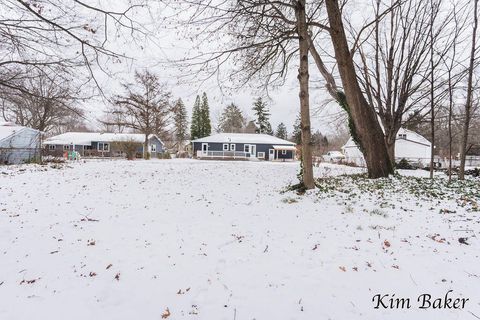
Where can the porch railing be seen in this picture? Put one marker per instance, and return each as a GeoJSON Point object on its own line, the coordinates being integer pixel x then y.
{"type": "Point", "coordinates": [222, 154]}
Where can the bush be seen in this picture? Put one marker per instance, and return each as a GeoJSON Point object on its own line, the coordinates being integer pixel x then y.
{"type": "Point", "coordinates": [164, 155]}
{"type": "Point", "coordinates": [129, 147]}
{"type": "Point", "coordinates": [404, 164]}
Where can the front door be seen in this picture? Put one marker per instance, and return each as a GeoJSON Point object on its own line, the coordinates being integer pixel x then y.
{"type": "Point", "coordinates": [204, 148]}
{"type": "Point", "coordinates": [271, 154]}
{"type": "Point", "coordinates": [253, 150]}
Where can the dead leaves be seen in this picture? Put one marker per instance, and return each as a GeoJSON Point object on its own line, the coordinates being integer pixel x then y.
{"type": "Point", "coordinates": [109, 266]}
{"type": "Point", "coordinates": [29, 281]}
{"type": "Point", "coordinates": [436, 237]}
{"type": "Point", "coordinates": [166, 314]}
{"type": "Point", "coordinates": [90, 242]}
{"type": "Point", "coordinates": [117, 276]}
{"type": "Point", "coordinates": [183, 292]}
{"type": "Point", "coordinates": [463, 241]}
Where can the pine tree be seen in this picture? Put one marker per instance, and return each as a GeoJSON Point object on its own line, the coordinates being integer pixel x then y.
{"type": "Point", "coordinates": [206, 126]}
{"type": "Point", "coordinates": [180, 122]}
{"type": "Point", "coordinates": [261, 112]}
{"type": "Point", "coordinates": [196, 126]}
{"type": "Point", "coordinates": [281, 131]}
{"type": "Point", "coordinates": [297, 131]}
{"type": "Point", "coordinates": [232, 119]}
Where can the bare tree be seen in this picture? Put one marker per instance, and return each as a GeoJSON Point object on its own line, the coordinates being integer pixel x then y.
{"type": "Point", "coordinates": [49, 101]}
{"type": "Point", "coordinates": [73, 34]}
{"type": "Point", "coordinates": [263, 39]}
{"type": "Point", "coordinates": [145, 107]}
{"type": "Point", "coordinates": [468, 103]}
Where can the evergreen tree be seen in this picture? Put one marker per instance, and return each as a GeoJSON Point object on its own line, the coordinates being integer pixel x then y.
{"type": "Point", "coordinates": [180, 121]}
{"type": "Point", "coordinates": [232, 119]}
{"type": "Point", "coordinates": [261, 112]}
{"type": "Point", "coordinates": [196, 126]}
{"type": "Point", "coordinates": [206, 126]}
{"type": "Point", "coordinates": [297, 131]}
{"type": "Point", "coordinates": [281, 131]}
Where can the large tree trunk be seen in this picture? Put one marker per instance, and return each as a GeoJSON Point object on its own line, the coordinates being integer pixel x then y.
{"type": "Point", "coordinates": [391, 150]}
{"type": "Point", "coordinates": [468, 103]}
{"type": "Point", "coordinates": [303, 78]}
{"type": "Point", "coordinates": [368, 132]}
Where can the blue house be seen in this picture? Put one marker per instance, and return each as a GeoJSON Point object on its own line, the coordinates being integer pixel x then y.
{"type": "Point", "coordinates": [96, 144]}
{"type": "Point", "coordinates": [243, 146]}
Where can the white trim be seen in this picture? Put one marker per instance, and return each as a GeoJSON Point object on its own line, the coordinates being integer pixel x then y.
{"type": "Point", "coordinates": [205, 151]}
{"type": "Point", "coordinates": [66, 147]}
{"type": "Point", "coordinates": [271, 154]}
{"type": "Point", "coordinates": [233, 146]}
{"type": "Point", "coordinates": [154, 147]}
{"type": "Point", "coordinates": [261, 155]}
{"type": "Point", "coordinates": [284, 152]}
{"type": "Point", "coordinates": [245, 146]}
{"type": "Point", "coordinates": [104, 144]}
{"type": "Point", "coordinates": [51, 147]}
{"type": "Point", "coordinates": [225, 147]}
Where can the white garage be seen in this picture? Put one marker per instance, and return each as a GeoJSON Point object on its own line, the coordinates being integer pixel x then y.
{"type": "Point", "coordinates": [18, 144]}
{"type": "Point", "coordinates": [409, 145]}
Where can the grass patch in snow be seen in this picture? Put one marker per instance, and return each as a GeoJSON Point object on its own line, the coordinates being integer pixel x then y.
{"type": "Point", "coordinates": [355, 187]}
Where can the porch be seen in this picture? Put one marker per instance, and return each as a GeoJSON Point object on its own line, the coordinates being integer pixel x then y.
{"type": "Point", "coordinates": [224, 155]}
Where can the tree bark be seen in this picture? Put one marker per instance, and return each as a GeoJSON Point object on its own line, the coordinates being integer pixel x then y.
{"type": "Point", "coordinates": [468, 103]}
{"type": "Point", "coordinates": [368, 132]}
{"type": "Point", "coordinates": [303, 78]}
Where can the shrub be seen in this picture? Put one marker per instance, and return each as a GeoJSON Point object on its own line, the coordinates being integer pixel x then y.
{"type": "Point", "coordinates": [164, 155]}
{"type": "Point", "coordinates": [404, 164]}
{"type": "Point", "coordinates": [129, 147]}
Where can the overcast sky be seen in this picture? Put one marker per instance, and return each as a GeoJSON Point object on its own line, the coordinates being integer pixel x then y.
{"type": "Point", "coordinates": [167, 45]}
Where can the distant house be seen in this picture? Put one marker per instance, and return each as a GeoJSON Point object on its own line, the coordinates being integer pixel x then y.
{"type": "Point", "coordinates": [244, 146]}
{"type": "Point", "coordinates": [96, 144]}
{"type": "Point", "coordinates": [409, 145]}
{"type": "Point", "coordinates": [18, 144]}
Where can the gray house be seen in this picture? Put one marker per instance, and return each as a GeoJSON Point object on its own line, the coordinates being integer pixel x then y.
{"type": "Point", "coordinates": [18, 144]}
{"type": "Point", "coordinates": [96, 144]}
{"type": "Point", "coordinates": [244, 146]}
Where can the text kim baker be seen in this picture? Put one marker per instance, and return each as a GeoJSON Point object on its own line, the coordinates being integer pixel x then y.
{"type": "Point", "coordinates": [424, 301]}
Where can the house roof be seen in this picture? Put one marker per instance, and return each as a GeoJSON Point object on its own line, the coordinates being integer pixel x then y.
{"type": "Point", "coordinates": [412, 136]}
{"type": "Point", "coordinates": [7, 129]}
{"type": "Point", "coordinates": [86, 138]}
{"type": "Point", "coordinates": [256, 138]}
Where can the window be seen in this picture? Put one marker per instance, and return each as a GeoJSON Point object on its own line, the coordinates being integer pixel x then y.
{"type": "Point", "coordinates": [51, 147]}
{"type": "Point", "coordinates": [154, 148]}
{"type": "Point", "coordinates": [402, 136]}
{"type": "Point", "coordinates": [246, 148]}
{"type": "Point", "coordinates": [87, 147]}
{"type": "Point", "coordinates": [232, 147]}
{"type": "Point", "coordinates": [284, 152]}
{"type": "Point", "coordinates": [66, 147]}
{"type": "Point", "coordinates": [225, 147]}
{"type": "Point", "coordinates": [261, 155]}
{"type": "Point", "coordinates": [103, 147]}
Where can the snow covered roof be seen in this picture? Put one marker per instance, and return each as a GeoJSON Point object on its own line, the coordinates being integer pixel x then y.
{"type": "Point", "coordinates": [409, 136]}
{"type": "Point", "coordinates": [335, 154]}
{"type": "Point", "coordinates": [256, 138]}
{"type": "Point", "coordinates": [8, 129]}
{"type": "Point", "coordinates": [86, 138]}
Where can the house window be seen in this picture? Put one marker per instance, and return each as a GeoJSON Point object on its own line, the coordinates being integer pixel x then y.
{"type": "Point", "coordinates": [87, 147]}
{"type": "Point", "coordinates": [246, 148]}
{"type": "Point", "coordinates": [154, 148]}
{"type": "Point", "coordinates": [284, 152]}
{"type": "Point", "coordinates": [66, 147]}
{"type": "Point", "coordinates": [225, 147]}
{"type": "Point", "coordinates": [103, 146]}
{"type": "Point", "coordinates": [51, 147]}
{"type": "Point", "coordinates": [232, 147]}
{"type": "Point", "coordinates": [261, 155]}
{"type": "Point", "coordinates": [402, 136]}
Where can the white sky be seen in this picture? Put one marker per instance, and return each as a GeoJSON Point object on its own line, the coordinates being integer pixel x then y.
{"type": "Point", "coordinates": [167, 45]}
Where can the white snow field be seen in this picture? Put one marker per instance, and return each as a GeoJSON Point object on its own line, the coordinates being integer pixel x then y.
{"type": "Point", "coordinates": [188, 239]}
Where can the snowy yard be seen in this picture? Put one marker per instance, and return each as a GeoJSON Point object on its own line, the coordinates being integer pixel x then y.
{"type": "Point", "coordinates": [187, 239]}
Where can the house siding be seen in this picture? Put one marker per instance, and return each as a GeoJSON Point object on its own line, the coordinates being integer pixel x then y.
{"type": "Point", "coordinates": [22, 146]}
{"type": "Point", "coordinates": [261, 147]}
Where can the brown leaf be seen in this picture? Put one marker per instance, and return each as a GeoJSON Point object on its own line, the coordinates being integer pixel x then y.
{"type": "Point", "coordinates": [343, 269]}
{"type": "Point", "coordinates": [166, 314]}
{"type": "Point", "coordinates": [386, 244]}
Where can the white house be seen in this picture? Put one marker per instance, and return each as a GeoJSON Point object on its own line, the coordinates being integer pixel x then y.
{"type": "Point", "coordinates": [18, 144]}
{"type": "Point", "coordinates": [409, 145]}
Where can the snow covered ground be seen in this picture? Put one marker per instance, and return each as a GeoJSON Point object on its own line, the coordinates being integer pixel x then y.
{"type": "Point", "coordinates": [187, 239]}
